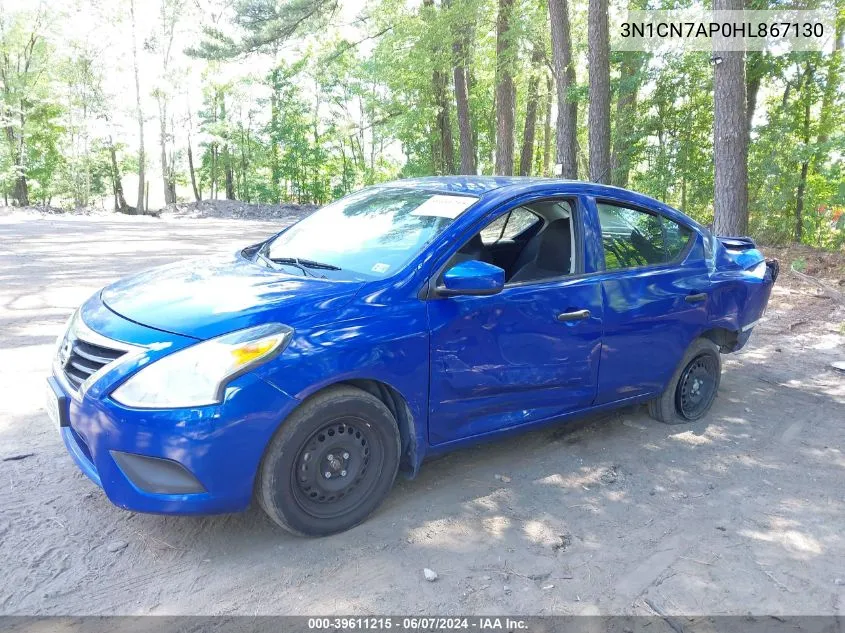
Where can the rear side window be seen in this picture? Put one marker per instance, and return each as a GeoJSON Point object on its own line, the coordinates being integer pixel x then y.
{"type": "Point", "coordinates": [633, 238]}
{"type": "Point", "coordinates": [677, 237]}
{"type": "Point", "coordinates": [509, 225]}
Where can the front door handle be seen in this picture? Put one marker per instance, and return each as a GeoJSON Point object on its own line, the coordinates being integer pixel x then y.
{"type": "Point", "coordinates": [575, 315]}
{"type": "Point", "coordinates": [696, 298]}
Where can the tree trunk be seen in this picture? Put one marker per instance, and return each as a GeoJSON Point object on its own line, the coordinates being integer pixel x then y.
{"type": "Point", "coordinates": [117, 181]}
{"type": "Point", "coordinates": [831, 88]}
{"type": "Point", "coordinates": [505, 91]}
{"type": "Point", "coordinates": [138, 112]}
{"type": "Point", "coordinates": [598, 116]}
{"type": "Point", "coordinates": [626, 114]}
{"type": "Point", "coordinates": [526, 157]}
{"type": "Point", "coordinates": [444, 125]}
{"type": "Point", "coordinates": [166, 177]}
{"type": "Point", "coordinates": [460, 72]}
{"type": "Point", "coordinates": [753, 79]}
{"type": "Point", "coordinates": [547, 128]}
{"type": "Point", "coordinates": [21, 191]}
{"type": "Point", "coordinates": [214, 187]}
{"type": "Point", "coordinates": [228, 173]}
{"type": "Point", "coordinates": [245, 194]}
{"type": "Point", "coordinates": [567, 108]}
{"type": "Point", "coordinates": [798, 232]}
{"type": "Point", "coordinates": [473, 117]}
{"type": "Point", "coordinates": [467, 145]}
{"type": "Point", "coordinates": [193, 172]}
{"type": "Point", "coordinates": [730, 143]}
{"type": "Point", "coordinates": [444, 149]}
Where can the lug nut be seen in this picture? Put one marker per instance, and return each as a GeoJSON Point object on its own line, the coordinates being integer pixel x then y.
{"type": "Point", "coordinates": [343, 473]}
{"type": "Point", "coordinates": [328, 475]}
{"type": "Point", "coordinates": [346, 456]}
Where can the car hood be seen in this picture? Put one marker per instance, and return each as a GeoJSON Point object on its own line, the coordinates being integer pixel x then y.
{"type": "Point", "coordinates": [203, 298]}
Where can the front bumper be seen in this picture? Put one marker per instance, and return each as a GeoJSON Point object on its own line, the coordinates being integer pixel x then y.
{"type": "Point", "coordinates": [176, 461]}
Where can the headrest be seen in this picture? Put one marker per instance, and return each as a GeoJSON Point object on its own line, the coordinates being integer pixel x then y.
{"type": "Point", "coordinates": [555, 247]}
{"type": "Point", "coordinates": [475, 245]}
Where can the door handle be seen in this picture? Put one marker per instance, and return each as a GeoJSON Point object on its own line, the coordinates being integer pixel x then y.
{"type": "Point", "coordinates": [575, 315]}
{"type": "Point", "coordinates": [696, 298]}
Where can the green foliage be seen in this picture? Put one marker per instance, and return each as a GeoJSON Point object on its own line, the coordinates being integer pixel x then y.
{"type": "Point", "coordinates": [673, 151]}
{"type": "Point", "coordinates": [291, 108]}
{"type": "Point", "coordinates": [799, 129]}
{"type": "Point", "coordinates": [263, 25]}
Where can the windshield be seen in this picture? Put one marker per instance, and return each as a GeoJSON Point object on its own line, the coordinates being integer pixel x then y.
{"type": "Point", "coordinates": [372, 233]}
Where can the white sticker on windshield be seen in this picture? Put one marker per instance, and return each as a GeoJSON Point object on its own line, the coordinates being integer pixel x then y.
{"type": "Point", "coordinates": [380, 268]}
{"type": "Point", "coordinates": [441, 206]}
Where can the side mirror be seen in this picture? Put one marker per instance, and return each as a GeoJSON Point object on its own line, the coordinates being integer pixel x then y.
{"type": "Point", "coordinates": [473, 278]}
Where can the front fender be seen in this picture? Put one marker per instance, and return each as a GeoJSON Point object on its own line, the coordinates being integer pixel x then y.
{"type": "Point", "coordinates": [387, 344]}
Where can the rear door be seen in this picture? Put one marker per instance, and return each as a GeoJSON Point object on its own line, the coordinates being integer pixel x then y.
{"type": "Point", "coordinates": [655, 290]}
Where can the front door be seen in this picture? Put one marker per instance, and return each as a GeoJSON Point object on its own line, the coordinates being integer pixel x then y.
{"type": "Point", "coordinates": [526, 354]}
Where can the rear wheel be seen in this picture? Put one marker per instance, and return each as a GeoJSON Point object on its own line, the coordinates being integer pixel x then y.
{"type": "Point", "coordinates": [331, 463]}
{"type": "Point", "coordinates": [693, 387]}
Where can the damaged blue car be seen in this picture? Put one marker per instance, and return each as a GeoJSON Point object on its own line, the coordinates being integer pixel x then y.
{"type": "Point", "coordinates": [404, 320]}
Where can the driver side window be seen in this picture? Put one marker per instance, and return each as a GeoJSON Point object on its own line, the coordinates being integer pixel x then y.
{"type": "Point", "coordinates": [530, 243]}
{"type": "Point", "coordinates": [509, 225]}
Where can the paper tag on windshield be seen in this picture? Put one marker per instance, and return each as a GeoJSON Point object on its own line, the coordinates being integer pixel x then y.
{"type": "Point", "coordinates": [380, 268]}
{"type": "Point", "coordinates": [444, 206]}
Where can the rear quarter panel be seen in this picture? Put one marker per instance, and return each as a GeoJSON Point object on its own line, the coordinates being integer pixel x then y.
{"type": "Point", "coordinates": [741, 287]}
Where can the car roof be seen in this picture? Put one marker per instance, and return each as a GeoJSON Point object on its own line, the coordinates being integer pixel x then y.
{"type": "Point", "coordinates": [481, 186]}
{"type": "Point", "coordinates": [476, 185]}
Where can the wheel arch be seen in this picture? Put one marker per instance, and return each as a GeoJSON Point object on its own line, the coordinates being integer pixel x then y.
{"type": "Point", "coordinates": [392, 398]}
{"type": "Point", "coordinates": [727, 340]}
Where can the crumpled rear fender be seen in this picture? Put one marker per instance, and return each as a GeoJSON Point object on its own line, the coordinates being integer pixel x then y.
{"type": "Point", "coordinates": [741, 282]}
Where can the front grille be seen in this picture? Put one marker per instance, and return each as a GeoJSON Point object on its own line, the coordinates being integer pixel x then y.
{"type": "Point", "coordinates": [84, 359]}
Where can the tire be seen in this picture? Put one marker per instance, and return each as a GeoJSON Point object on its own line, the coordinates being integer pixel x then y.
{"type": "Point", "coordinates": [675, 405]}
{"type": "Point", "coordinates": [344, 432]}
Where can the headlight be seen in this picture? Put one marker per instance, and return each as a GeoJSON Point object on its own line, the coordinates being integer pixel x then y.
{"type": "Point", "coordinates": [197, 375]}
{"type": "Point", "coordinates": [69, 327]}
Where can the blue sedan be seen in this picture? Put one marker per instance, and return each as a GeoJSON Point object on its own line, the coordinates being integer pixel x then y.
{"type": "Point", "coordinates": [399, 322]}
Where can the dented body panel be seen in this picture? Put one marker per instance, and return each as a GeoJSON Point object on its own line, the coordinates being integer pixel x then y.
{"type": "Point", "coordinates": [452, 371]}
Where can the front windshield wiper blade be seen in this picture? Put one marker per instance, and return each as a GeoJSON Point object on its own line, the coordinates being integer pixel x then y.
{"type": "Point", "coordinates": [267, 261]}
{"type": "Point", "coordinates": [271, 263]}
{"type": "Point", "coordinates": [308, 263]}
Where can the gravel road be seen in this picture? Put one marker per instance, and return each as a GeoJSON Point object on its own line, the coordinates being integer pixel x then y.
{"type": "Point", "coordinates": [741, 512]}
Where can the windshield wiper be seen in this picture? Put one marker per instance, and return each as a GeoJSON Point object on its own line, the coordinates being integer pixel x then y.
{"type": "Point", "coordinates": [267, 261]}
{"type": "Point", "coordinates": [306, 263]}
{"type": "Point", "coordinates": [272, 263]}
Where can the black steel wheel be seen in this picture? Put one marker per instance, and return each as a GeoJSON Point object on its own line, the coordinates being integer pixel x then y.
{"type": "Point", "coordinates": [692, 389]}
{"type": "Point", "coordinates": [697, 387]}
{"type": "Point", "coordinates": [332, 473]}
{"type": "Point", "coordinates": [331, 463]}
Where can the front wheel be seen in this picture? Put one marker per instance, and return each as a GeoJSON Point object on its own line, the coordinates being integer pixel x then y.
{"type": "Point", "coordinates": [330, 464]}
{"type": "Point", "coordinates": [693, 387]}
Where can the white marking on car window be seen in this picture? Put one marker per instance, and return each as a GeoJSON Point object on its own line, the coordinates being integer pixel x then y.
{"type": "Point", "coordinates": [441, 206]}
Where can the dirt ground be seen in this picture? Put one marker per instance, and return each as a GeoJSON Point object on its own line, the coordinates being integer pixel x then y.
{"type": "Point", "coordinates": [740, 513]}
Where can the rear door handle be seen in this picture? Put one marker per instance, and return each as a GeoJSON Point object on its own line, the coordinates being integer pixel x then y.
{"type": "Point", "coordinates": [696, 298]}
{"type": "Point", "coordinates": [575, 315]}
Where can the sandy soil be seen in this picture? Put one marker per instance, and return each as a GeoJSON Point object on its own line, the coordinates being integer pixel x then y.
{"type": "Point", "coordinates": [739, 513]}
